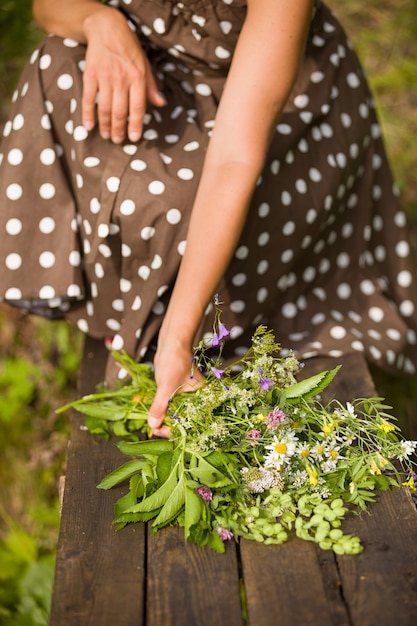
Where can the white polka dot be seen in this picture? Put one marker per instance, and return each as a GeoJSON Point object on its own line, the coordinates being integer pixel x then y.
{"type": "Point", "coordinates": [376, 314]}
{"type": "Point", "coordinates": [47, 259]}
{"type": "Point", "coordinates": [47, 156]}
{"type": "Point", "coordinates": [137, 303]}
{"type": "Point", "coordinates": [226, 26]}
{"type": "Point", "coordinates": [317, 77]}
{"type": "Point", "coordinates": [221, 53]}
{"type": "Point", "coordinates": [301, 186]}
{"type": "Point", "coordinates": [118, 342]}
{"type": "Point", "coordinates": [80, 133]}
{"type": "Point", "coordinates": [156, 262]}
{"type": "Point", "coordinates": [147, 233]}
{"type": "Point", "coordinates": [367, 287]}
{"type": "Point", "coordinates": [173, 216]}
{"type": "Point", "coordinates": [287, 256]}
{"type": "Point", "coordinates": [125, 285]}
{"type": "Point", "coordinates": [407, 308]}
{"type": "Point", "coordinates": [144, 272]}
{"type": "Point", "coordinates": [239, 279]}
{"type": "Point", "coordinates": [13, 294]}
{"type": "Point", "coordinates": [47, 292]}
{"type": "Point", "coordinates": [74, 291]}
{"type": "Point", "coordinates": [13, 261]}
{"type": "Point", "coordinates": [95, 206]}
{"type": "Point", "coordinates": [263, 239]}
{"type": "Point", "coordinates": [127, 207]}
{"type": "Point", "coordinates": [402, 249]}
{"type": "Point", "coordinates": [262, 267]}
{"type": "Point", "coordinates": [400, 219]}
{"type": "Point", "coordinates": [237, 306]}
{"type": "Point", "coordinates": [91, 161]}
{"type": "Point", "coordinates": [181, 247]}
{"type": "Point", "coordinates": [203, 89]}
{"type": "Point", "coordinates": [14, 226]}
{"type": "Point", "coordinates": [113, 183]}
{"type": "Point", "coordinates": [159, 26]}
{"type": "Point", "coordinates": [264, 210]}
{"type": "Point", "coordinates": [289, 310]}
{"type": "Point", "coordinates": [262, 295]}
{"type": "Point", "coordinates": [65, 81]}
{"type": "Point", "coordinates": [344, 291]}
{"type": "Point", "coordinates": [15, 156]}
{"type": "Point", "coordinates": [156, 187]}
{"type": "Point", "coordinates": [83, 325]}
{"type": "Point", "coordinates": [405, 278]}
{"type": "Point", "coordinates": [103, 230]}
{"type": "Point", "coordinates": [284, 129]}
{"type": "Point", "coordinates": [104, 250]}
{"type": "Point", "coordinates": [288, 228]}
{"type": "Point", "coordinates": [185, 173]}
{"type": "Point", "coordinates": [18, 122]}
{"type": "Point", "coordinates": [242, 253]}
{"type": "Point", "coordinates": [309, 274]}
{"type": "Point", "coordinates": [301, 101]}
{"type": "Point", "coordinates": [138, 165]}
{"type": "Point", "coordinates": [14, 191]}
{"type": "Point", "coordinates": [158, 308]}
{"type": "Point", "coordinates": [337, 332]}
{"type": "Point", "coordinates": [343, 260]}
{"type": "Point", "coordinates": [353, 80]}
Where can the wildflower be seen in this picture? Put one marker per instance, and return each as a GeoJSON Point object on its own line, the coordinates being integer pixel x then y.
{"type": "Point", "coordinates": [264, 383]}
{"type": "Point", "coordinates": [408, 448]}
{"type": "Point", "coordinates": [253, 435]}
{"type": "Point", "coordinates": [312, 476]}
{"type": "Point", "coordinates": [224, 533]}
{"type": "Point", "coordinates": [275, 419]}
{"type": "Point", "coordinates": [410, 484]}
{"type": "Point", "coordinates": [374, 469]}
{"type": "Point", "coordinates": [260, 417]}
{"type": "Point", "coordinates": [319, 451]}
{"type": "Point", "coordinates": [328, 428]}
{"type": "Point", "coordinates": [223, 332]}
{"type": "Point", "coordinates": [304, 451]}
{"type": "Point", "coordinates": [281, 450]}
{"type": "Point", "coordinates": [350, 410]}
{"type": "Point", "coordinates": [386, 427]}
{"type": "Point", "coordinates": [217, 372]}
{"type": "Point", "coordinates": [205, 493]}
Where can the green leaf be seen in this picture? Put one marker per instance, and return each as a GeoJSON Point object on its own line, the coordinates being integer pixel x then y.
{"type": "Point", "coordinates": [172, 506]}
{"type": "Point", "coordinates": [110, 413]}
{"type": "Point", "coordinates": [164, 465]}
{"type": "Point", "coordinates": [120, 474]}
{"type": "Point", "coordinates": [158, 498]}
{"type": "Point", "coordinates": [208, 475]}
{"type": "Point", "coordinates": [193, 510]}
{"type": "Point", "coordinates": [310, 386]}
{"type": "Point", "coordinates": [148, 446]}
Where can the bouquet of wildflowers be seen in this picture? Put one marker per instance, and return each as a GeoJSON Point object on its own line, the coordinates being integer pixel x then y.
{"type": "Point", "coordinates": [252, 452]}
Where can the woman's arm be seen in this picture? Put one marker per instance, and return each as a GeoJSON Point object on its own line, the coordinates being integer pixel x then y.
{"type": "Point", "coordinates": [263, 71]}
{"type": "Point", "coordinates": [116, 67]}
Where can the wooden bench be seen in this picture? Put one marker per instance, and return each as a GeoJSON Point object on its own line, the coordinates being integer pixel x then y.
{"type": "Point", "coordinates": [106, 577]}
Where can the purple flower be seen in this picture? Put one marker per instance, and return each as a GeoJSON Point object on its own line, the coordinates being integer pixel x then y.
{"type": "Point", "coordinates": [252, 436]}
{"type": "Point", "coordinates": [218, 373]}
{"type": "Point", "coordinates": [275, 418]}
{"type": "Point", "coordinates": [205, 493]}
{"type": "Point", "coordinates": [224, 534]}
{"type": "Point", "coordinates": [265, 383]}
{"type": "Point", "coordinates": [223, 332]}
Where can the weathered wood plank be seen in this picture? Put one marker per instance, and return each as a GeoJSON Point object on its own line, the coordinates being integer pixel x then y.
{"type": "Point", "coordinates": [100, 573]}
{"type": "Point", "coordinates": [284, 585]}
{"type": "Point", "coordinates": [190, 584]}
{"type": "Point", "coordinates": [380, 585]}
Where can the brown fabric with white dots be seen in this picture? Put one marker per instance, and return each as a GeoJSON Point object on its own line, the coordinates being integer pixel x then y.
{"type": "Point", "coordinates": [95, 232]}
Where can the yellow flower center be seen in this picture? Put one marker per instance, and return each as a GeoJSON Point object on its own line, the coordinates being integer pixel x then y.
{"type": "Point", "coordinates": [327, 428]}
{"type": "Point", "coordinates": [386, 427]}
{"type": "Point", "coordinates": [333, 454]}
{"type": "Point", "coordinates": [305, 453]}
{"type": "Point", "coordinates": [320, 450]}
{"type": "Point", "coordinates": [281, 448]}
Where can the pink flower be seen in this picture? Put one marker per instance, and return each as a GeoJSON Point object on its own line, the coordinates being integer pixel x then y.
{"type": "Point", "coordinates": [252, 436]}
{"type": "Point", "coordinates": [224, 534]}
{"type": "Point", "coordinates": [205, 493]}
{"type": "Point", "coordinates": [275, 418]}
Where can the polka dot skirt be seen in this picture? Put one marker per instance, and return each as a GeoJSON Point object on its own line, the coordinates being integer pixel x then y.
{"type": "Point", "coordinates": [95, 232]}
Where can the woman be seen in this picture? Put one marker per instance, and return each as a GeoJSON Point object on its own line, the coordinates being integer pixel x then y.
{"type": "Point", "coordinates": [243, 127]}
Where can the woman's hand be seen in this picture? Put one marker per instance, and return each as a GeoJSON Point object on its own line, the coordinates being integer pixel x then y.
{"type": "Point", "coordinates": [118, 75]}
{"type": "Point", "coordinates": [117, 72]}
{"type": "Point", "coordinates": [174, 373]}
